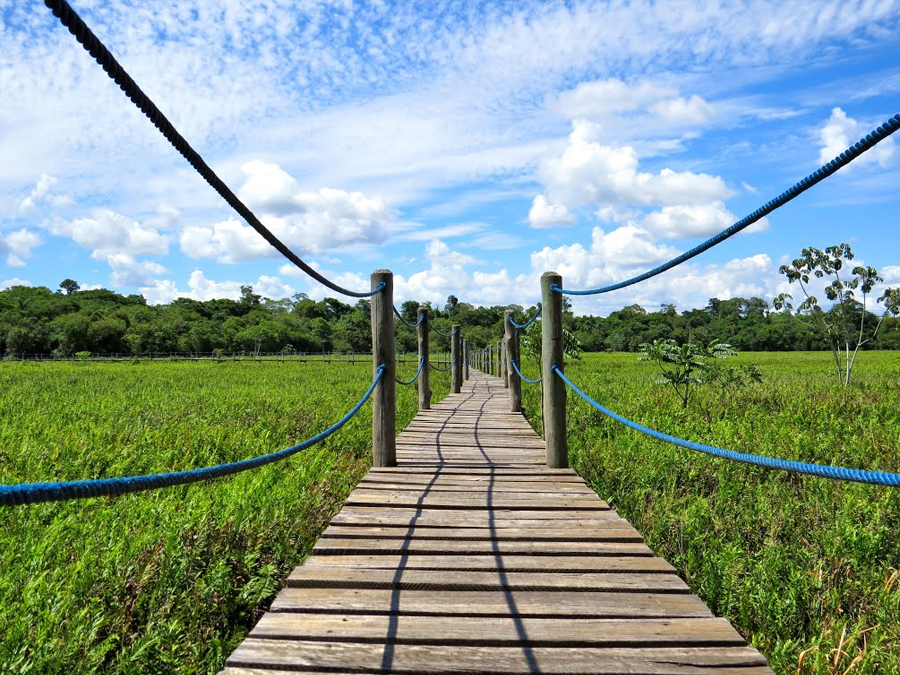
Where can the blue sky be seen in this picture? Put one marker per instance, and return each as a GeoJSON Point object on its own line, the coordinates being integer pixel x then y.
{"type": "Point", "coordinates": [466, 146]}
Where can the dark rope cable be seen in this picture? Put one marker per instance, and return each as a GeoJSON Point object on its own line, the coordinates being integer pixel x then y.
{"type": "Point", "coordinates": [407, 323]}
{"type": "Point", "coordinates": [523, 378]}
{"type": "Point", "coordinates": [70, 19]}
{"type": "Point", "coordinates": [851, 153]}
{"type": "Point", "coordinates": [530, 321]}
{"type": "Point", "coordinates": [441, 370]}
{"type": "Point", "coordinates": [416, 376]}
{"type": "Point", "coordinates": [33, 493]}
{"type": "Point", "coordinates": [857, 475]}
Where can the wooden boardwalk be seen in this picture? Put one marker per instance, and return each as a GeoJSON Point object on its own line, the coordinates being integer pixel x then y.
{"type": "Point", "coordinates": [473, 557]}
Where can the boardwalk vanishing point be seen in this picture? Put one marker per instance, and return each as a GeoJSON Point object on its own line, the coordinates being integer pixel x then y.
{"type": "Point", "coordinates": [471, 556]}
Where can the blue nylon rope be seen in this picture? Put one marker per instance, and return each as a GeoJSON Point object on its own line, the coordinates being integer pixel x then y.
{"type": "Point", "coordinates": [524, 379]}
{"type": "Point", "coordinates": [407, 323]}
{"type": "Point", "coordinates": [415, 377]}
{"type": "Point", "coordinates": [530, 321]}
{"type": "Point", "coordinates": [442, 370]}
{"type": "Point", "coordinates": [851, 153]}
{"type": "Point", "coordinates": [857, 475]}
{"type": "Point", "coordinates": [33, 493]}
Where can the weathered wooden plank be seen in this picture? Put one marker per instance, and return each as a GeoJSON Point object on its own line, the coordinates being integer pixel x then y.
{"type": "Point", "coordinates": [462, 562]}
{"type": "Point", "coordinates": [489, 603]}
{"type": "Point", "coordinates": [603, 530]}
{"type": "Point", "coordinates": [470, 518]}
{"type": "Point", "coordinates": [498, 632]}
{"type": "Point", "coordinates": [430, 547]}
{"type": "Point", "coordinates": [544, 498]}
{"type": "Point", "coordinates": [339, 657]}
{"type": "Point", "coordinates": [548, 490]}
{"type": "Point", "coordinates": [320, 576]}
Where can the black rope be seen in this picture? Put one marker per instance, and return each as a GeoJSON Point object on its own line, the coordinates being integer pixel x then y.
{"type": "Point", "coordinates": [70, 19]}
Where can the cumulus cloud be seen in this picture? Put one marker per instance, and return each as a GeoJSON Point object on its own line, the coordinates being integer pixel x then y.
{"type": "Point", "coordinates": [108, 232]}
{"type": "Point", "coordinates": [689, 220]}
{"type": "Point", "coordinates": [41, 192]}
{"type": "Point", "coordinates": [16, 246]}
{"type": "Point", "coordinates": [602, 98]}
{"type": "Point", "coordinates": [679, 111]}
{"type": "Point", "coordinates": [840, 131]}
{"type": "Point", "coordinates": [200, 287]}
{"type": "Point", "coordinates": [545, 214]}
{"type": "Point", "coordinates": [589, 172]}
{"type": "Point", "coordinates": [9, 283]}
{"type": "Point", "coordinates": [128, 272]}
{"type": "Point", "coordinates": [307, 222]}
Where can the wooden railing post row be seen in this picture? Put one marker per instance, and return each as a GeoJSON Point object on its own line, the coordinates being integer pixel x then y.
{"type": "Point", "coordinates": [554, 388]}
{"type": "Point", "coordinates": [455, 363]}
{"type": "Point", "coordinates": [425, 360]}
{"type": "Point", "coordinates": [384, 412]}
{"type": "Point", "coordinates": [511, 347]}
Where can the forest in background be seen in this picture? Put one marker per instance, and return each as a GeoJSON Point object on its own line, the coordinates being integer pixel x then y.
{"type": "Point", "coordinates": [37, 320]}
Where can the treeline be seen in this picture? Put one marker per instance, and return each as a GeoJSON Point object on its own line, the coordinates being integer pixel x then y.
{"type": "Point", "coordinates": [69, 321]}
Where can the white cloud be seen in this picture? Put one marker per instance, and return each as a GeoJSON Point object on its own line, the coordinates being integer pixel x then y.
{"type": "Point", "coordinates": [589, 172]}
{"type": "Point", "coordinates": [603, 98]}
{"type": "Point", "coordinates": [694, 220]}
{"type": "Point", "coordinates": [680, 111]}
{"type": "Point", "coordinates": [128, 272]}
{"type": "Point", "coordinates": [9, 283]}
{"type": "Point", "coordinates": [306, 222]}
{"type": "Point", "coordinates": [891, 274]}
{"type": "Point", "coordinates": [159, 291]}
{"type": "Point", "coordinates": [41, 192]}
{"type": "Point", "coordinates": [840, 131]}
{"type": "Point", "coordinates": [108, 232]}
{"type": "Point", "coordinates": [545, 214]}
{"type": "Point", "coordinates": [17, 245]}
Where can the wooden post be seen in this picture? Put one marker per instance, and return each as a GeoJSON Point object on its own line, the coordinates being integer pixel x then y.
{"type": "Point", "coordinates": [384, 413]}
{"type": "Point", "coordinates": [500, 371]}
{"type": "Point", "coordinates": [466, 359]}
{"type": "Point", "coordinates": [454, 360]}
{"type": "Point", "coordinates": [511, 344]}
{"type": "Point", "coordinates": [554, 388]}
{"type": "Point", "coordinates": [504, 365]}
{"type": "Point", "coordinates": [424, 380]}
{"type": "Point", "coordinates": [491, 359]}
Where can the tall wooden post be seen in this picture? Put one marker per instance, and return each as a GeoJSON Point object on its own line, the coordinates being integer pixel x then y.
{"type": "Point", "coordinates": [500, 360]}
{"type": "Point", "coordinates": [491, 359]}
{"type": "Point", "coordinates": [554, 388]}
{"type": "Point", "coordinates": [466, 359]}
{"type": "Point", "coordinates": [504, 365]}
{"type": "Point", "coordinates": [454, 360]}
{"type": "Point", "coordinates": [384, 412]}
{"type": "Point", "coordinates": [424, 380]}
{"type": "Point", "coordinates": [511, 344]}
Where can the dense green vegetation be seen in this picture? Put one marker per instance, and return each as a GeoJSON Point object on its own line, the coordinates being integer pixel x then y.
{"type": "Point", "coordinates": [40, 321]}
{"type": "Point", "coordinates": [808, 569]}
{"type": "Point", "coordinates": [167, 581]}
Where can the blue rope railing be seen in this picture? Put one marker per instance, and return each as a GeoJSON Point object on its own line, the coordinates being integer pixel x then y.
{"type": "Point", "coordinates": [442, 370]}
{"type": "Point", "coordinates": [519, 372]}
{"type": "Point", "coordinates": [851, 153]}
{"type": "Point", "coordinates": [34, 493]}
{"type": "Point", "coordinates": [407, 323]}
{"type": "Point", "coordinates": [530, 321]}
{"type": "Point", "coordinates": [415, 377]}
{"type": "Point", "coordinates": [857, 475]}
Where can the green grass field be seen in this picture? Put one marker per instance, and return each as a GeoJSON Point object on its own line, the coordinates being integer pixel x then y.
{"type": "Point", "coordinates": [808, 569]}
{"type": "Point", "coordinates": [167, 581]}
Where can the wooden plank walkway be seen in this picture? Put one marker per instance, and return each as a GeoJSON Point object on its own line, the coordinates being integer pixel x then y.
{"type": "Point", "coordinates": [473, 557]}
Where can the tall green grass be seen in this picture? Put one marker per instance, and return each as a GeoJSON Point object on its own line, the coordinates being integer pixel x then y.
{"type": "Point", "coordinates": [806, 568]}
{"type": "Point", "coordinates": [167, 581]}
